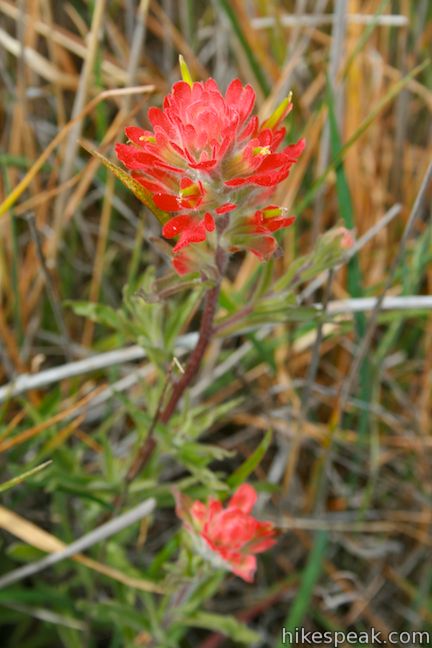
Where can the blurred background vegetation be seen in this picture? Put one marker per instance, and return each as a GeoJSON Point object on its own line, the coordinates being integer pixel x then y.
{"type": "Point", "coordinates": [346, 471]}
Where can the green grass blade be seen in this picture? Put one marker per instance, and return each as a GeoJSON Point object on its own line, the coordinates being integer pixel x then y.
{"type": "Point", "coordinates": [344, 201]}
{"type": "Point", "coordinates": [302, 601]}
{"type": "Point", "coordinates": [14, 274]}
{"type": "Point", "coordinates": [379, 107]}
{"type": "Point", "coordinates": [365, 35]}
{"type": "Point", "coordinates": [227, 7]}
{"type": "Point", "coordinates": [242, 473]}
{"type": "Point", "coordinates": [29, 473]}
{"type": "Point", "coordinates": [355, 283]}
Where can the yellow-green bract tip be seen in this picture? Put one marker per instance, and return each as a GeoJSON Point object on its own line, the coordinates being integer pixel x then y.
{"type": "Point", "coordinates": [280, 113]}
{"type": "Point", "coordinates": [185, 72]}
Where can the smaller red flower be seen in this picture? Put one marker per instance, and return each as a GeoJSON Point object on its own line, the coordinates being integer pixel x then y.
{"type": "Point", "coordinates": [270, 219]}
{"type": "Point", "coordinates": [229, 537]}
{"type": "Point", "coordinates": [255, 233]}
{"type": "Point", "coordinates": [188, 229]}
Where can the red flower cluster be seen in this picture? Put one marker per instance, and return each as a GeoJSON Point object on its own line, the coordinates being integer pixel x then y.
{"type": "Point", "coordinates": [228, 537]}
{"type": "Point", "coordinates": [206, 157]}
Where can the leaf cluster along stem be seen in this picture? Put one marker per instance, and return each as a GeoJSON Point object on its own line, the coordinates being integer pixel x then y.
{"type": "Point", "coordinates": [205, 333]}
{"type": "Point", "coordinates": [237, 317]}
{"type": "Point", "coordinates": [164, 415]}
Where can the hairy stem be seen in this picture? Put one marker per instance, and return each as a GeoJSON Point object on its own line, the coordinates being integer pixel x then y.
{"type": "Point", "coordinates": [205, 333]}
{"type": "Point", "coordinates": [164, 415]}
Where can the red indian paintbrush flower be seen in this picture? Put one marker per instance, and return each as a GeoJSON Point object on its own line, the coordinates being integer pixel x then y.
{"type": "Point", "coordinates": [212, 164]}
{"type": "Point", "coordinates": [228, 537]}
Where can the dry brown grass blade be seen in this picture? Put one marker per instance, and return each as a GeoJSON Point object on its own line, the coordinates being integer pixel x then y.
{"type": "Point", "coordinates": [37, 537]}
{"type": "Point", "coordinates": [62, 436]}
{"type": "Point", "coordinates": [71, 145]}
{"type": "Point", "coordinates": [265, 61]}
{"type": "Point", "coordinates": [35, 168]}
{"type": "Point", "coordinates": [87, 176]}
{"type": "Point", "coordinates": [44, 196]}
{"type": "Point", "coordinates": [159, 28]}
{"type": "Point", "coordinates": [37, 62]}
{"type": "Point", "coordinates": [41, 427]}
{"type": "Point", "coordinates": [100, 255]}
{"type": "Point", "coordinates": [114, 75]}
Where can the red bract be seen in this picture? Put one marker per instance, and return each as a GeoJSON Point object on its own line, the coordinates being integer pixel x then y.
{"type": "Point", "coordinates": [228, 537]}
{"type": "Point", "coordinates": [211, 162]}
{"type": "Point", "coordinates": [190, 196]}
{"type": "Point", "coordinates": [262, 165]}
{"type": "Point", "coordinates": [255, 232]}
{"type": "Point", "coordinates": [188, 229]}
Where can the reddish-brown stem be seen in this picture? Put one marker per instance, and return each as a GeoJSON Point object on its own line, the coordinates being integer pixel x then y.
{"type": "Point", "coordinates": [164, 414]}
{"type": "Point", "coordinates": [205, 332]}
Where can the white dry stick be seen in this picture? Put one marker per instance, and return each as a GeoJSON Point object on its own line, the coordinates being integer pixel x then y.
{"type": "Point", "coordinates": [137, 47]}
{"type": "Point", "coordinates": [36, 62]}
{"type": "Point", "coordinates": [113, 75]}
{"type": "Point", "coordinates": [25, 382]}
{"type": "Point", "coordinates": [365, 304]}
{"type": "Point", "coordinates": [101, 533]}
{"type": "Point", "coordinates": [317, 20]}
{"type": "Point", "coordinates": [336, 54]}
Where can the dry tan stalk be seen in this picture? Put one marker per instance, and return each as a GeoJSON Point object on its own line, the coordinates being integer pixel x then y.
{"type": "Point", "coordinates": [113, 75]}
{"type": "Point", "coordinates": [98, 267]}
{"type": "Point", "coordinates": [27, 179]}
{"type": "Point", "coordinates": [37, 537]}
{"type": "Point", "coordinates": [75, 132]}
{"type": "Point", "coordinates": [37, 62]}
{"type": "Point", "coordinates": [21, 437]}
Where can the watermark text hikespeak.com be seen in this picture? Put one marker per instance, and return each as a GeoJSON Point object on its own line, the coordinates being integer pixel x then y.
{"type": "Point", "coordinates": [372, 637]}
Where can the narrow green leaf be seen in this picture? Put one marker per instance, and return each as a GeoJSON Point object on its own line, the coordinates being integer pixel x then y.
{"type": "Point", "coordinates": [110, 611]}
{"type": "Point", "coordinates": [24, 553]}
{"type": "Point", "coordinates": [302, 602]}
{"type": "Point", "coordinates": [99, 313]}
{"type": "Point", "coordinates": [235, 23]}
{"type": "Point", "coordinates": [41, 595]}
{"type": "Point", "coordinates": [355, 287]}
{"type": "Point", "coordinates": [204, 591]}
{"type": "Point", "coordinates": [19, 161]}
{"type": "Point", "coordinates": [17, 480]}
{"type": "Point", "coordinates": [226, 624]}
{"type": "Point", "coordinates": [379, 106]}
{"type": "Point", "coordinates": [179, 317]}
{"type": "Point", "coordinates": [242, 473]}
{"type": "Point", "coordinates": [343, 196]}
